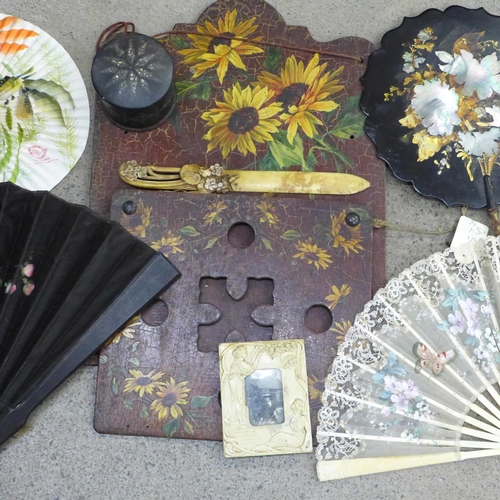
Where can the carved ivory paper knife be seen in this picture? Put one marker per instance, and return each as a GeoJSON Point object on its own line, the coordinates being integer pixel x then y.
{"type": "Point", "coordinates": [214, 179]}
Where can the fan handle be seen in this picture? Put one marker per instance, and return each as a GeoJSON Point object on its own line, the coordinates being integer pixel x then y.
{"type": "Point", "coordinates": [492, 205]}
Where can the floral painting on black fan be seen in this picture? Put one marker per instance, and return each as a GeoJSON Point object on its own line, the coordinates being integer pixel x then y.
{"type": "Point", "coordinates": [432, 96]}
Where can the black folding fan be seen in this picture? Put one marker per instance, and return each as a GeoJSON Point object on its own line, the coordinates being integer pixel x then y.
{"type": "Point", "coordinates": [68, 280]}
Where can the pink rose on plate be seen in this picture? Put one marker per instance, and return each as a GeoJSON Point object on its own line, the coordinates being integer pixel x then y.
{"type": "Point", "coordinates": [37, 152]}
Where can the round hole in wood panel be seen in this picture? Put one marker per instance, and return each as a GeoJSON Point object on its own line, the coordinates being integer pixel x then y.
{"type": "Point", "coordinates": [318, 319]}
{"type": "Point", "coordinates": [155, 314]}
{"type": "Point", "coordinates": [241, 235]}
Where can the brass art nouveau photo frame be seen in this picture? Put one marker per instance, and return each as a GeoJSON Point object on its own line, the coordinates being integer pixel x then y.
{"type": "Point", "coordinates": [264, 397]}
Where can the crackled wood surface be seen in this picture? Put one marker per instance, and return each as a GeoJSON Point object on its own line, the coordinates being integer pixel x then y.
{"type": "Point", "coordinates": [252, 269]}
{"type": "Point", "coordinates": [183, 138]}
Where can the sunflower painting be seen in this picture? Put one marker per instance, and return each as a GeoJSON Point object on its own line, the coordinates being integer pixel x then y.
{"type": "Point", "coordinates": [302, 91]}
{"type": "Point", "coordinates": [170, 399]}
{"type": "Point", "coordinates": [138, 222]}
{"type": "Point", "coordinates": [169, 245]}
{"type": "Point", "coordinates": [310, 252]}
{"type": "Point", "coordinates": [221, 45]}
{"type": "Point", "coordinates": [215, 210]}
{"type": "Point", "coordinates": [143, 384]}
{"type": "Point", "coordinates": [337, 294]}
{"type": "Point", "coordinates": [241, 120]}
{"type": "Point", "coordinates": [341, 329]}
{"type": "Point", "coordinates": [347, 237]}
{"type": "Point", "coordinates": [280, 112]}
{"type": "Point", "coordinates": [162, 401]}
{"type": "Point", "coordinates": [252, 101]}
{"type": "Point", "coordinates": [316, 387]}
{"type": "Point", "coordinates": [128, 331]}
{"type": "Point", "coordinates": [267, 213]}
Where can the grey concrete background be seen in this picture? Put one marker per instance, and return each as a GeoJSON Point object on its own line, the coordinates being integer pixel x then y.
{"type": "Point", "coordinates": [60, 456]}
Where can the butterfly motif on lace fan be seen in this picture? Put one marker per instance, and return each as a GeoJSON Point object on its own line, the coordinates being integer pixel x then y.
{"type": "Point", "coordinates": [426, 358]}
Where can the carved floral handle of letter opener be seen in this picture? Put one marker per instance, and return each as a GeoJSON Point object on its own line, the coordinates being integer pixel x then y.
{"type": "Point", "coordinates": [215, 179]}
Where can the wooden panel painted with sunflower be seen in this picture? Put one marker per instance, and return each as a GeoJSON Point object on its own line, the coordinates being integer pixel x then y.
{"type": "Point", "coordinates": [252, 269]}
{"type": "Point", "coordinates": [248, 105]}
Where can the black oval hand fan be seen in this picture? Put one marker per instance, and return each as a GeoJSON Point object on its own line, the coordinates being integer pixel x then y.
{"type": "Point", "coordinates": [68, 280]}
{"type": "Point", "coordinates": [432, 97]}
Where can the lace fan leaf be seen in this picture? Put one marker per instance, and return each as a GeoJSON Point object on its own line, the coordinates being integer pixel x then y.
{"type": "Point", "coordinates": [418, 375]}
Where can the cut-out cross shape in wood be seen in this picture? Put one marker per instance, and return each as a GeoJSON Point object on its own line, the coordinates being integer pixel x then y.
{"type": "Point", "coordinates": [268, 269]}
{"type": "Point", "coordinates": [235, 323]}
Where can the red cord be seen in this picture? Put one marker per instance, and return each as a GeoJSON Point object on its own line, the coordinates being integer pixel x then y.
{"type": "Point", "coordinates": [260, 42]}
{"type": "Point", "coordinates": [112, 30]}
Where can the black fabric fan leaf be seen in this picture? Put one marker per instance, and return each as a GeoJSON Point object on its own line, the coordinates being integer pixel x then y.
{"type": "Point", "coordinates": [68, 280]}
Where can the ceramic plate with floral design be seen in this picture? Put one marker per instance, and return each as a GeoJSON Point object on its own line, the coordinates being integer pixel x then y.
{"type": "Point", "coordinates": [44, 108]}
{"type": "Point", "coordinates": [432, 96]}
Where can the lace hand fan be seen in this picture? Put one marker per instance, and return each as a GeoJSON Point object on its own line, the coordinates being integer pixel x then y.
{"type": "Point", "coordinates": [416, 381]}
{"type": "Point", "coordinates": [68, 281]}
